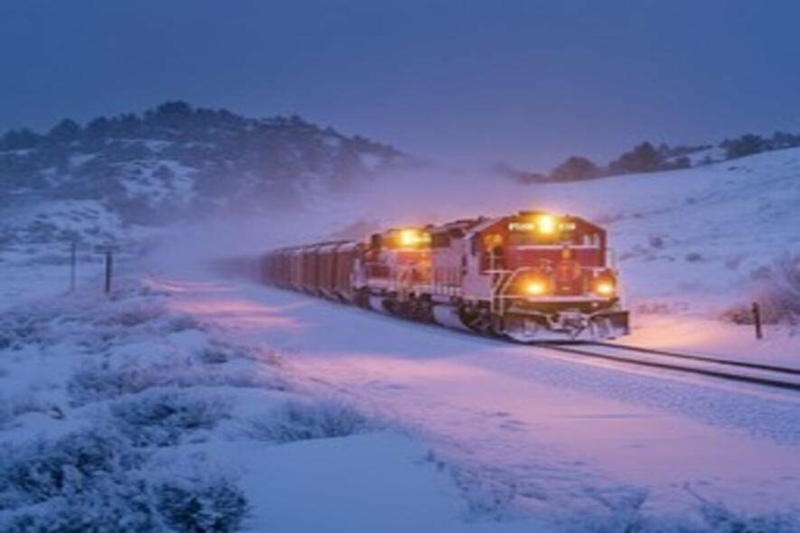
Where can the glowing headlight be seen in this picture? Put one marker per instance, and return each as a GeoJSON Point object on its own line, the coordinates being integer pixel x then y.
{"type": "Point", "coordinates": [604, 288]}
{"type": "Point", "coordinates": [536, 288]}
{"type": "Point", "coordinates": [546, 224]}
{"type": "Point", "coordinates": [411, 237]}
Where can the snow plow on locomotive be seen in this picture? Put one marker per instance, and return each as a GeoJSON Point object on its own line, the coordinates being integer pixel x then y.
{"type": "Point", "coordinates": [532, 276]}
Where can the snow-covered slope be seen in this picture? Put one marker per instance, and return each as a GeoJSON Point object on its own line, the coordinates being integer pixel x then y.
{"type": "Point", "coordinates": [685, 240]}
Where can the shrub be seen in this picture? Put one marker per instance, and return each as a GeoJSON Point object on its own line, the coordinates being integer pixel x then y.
{"type": "Point", "coordinates": [719, 518]}
{"type": "Point", "coordinates": [95, 381]}
{"type": "Point", "coordinates": [14, 406]}
{"type": "Point", "coordinates": [575, 169]}
{"type": "Point", "coordinates": [777, 290]}
{"type": "Point", "coordinates": [116, 504]}
{"type": "Point", "coordinates": [200, 506]}
{"type": "Point", "coordinates": [643, 158]}
{"type": "Point", "coordinates": [302, 421]}
{"type": "Point", "coordinates": [44, 470]}
{"type": "Point", "coordinates": [624, 511]}
{"type": "Point", "coordinates": [18, 330]}
{"type": "Point", "coordinates": [95, 482]}
{"type": "Point", "coordinates": [164, 418]}
{"type": "Point", "coordinates": [745, 145]}
{"type": "Point", "coordinates": [781, 292]}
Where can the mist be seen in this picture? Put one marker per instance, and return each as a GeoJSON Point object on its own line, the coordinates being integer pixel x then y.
{"type": "Point", "coordinates": [429, 194]}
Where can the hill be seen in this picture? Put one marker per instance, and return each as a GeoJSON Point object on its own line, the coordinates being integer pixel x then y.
{"type": "Point", "coordinates": [172, 162]}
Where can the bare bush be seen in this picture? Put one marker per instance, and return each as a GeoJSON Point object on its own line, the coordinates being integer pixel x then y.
{"type": "Point", "coordinates": [781, 290]}
{"type": "Point", "coordinates": [136, 314]}
{"type": "Point", "coordinates": [14, 406]}
{"type": "Point", "coordinates": [625, 511]}
{"type": "Point", "coordinates": [95, 482]}
{"type": "Point", "coordinates": [96, 381]}
{"type": "Point", "coordinates": [18, 330]}
{"type": "Point", "coordinates": [719, 518]}
{"type": "Point", "coordinates": [197, 506]}
{"type": "Point", "coordinates": [44, 470]}
{"type": "Point", "coordinates": [165, 418]}
{"type": "Point", "coordinates": [302, 421]}
{"type": "Point", "coordinates": [777, 290]}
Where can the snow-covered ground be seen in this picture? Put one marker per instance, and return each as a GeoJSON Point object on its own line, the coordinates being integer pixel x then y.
{"type": "Point", "coordinates": [526, 434]}
{"type": "Point", "coordinates": [274, 411]}
{"type": "Point", "coordinates": [127, 414]}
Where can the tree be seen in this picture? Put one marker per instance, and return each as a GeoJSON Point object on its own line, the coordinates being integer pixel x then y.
{"type": "Point", "coordinates": [98, 127]}
{"type": "Point", "coordinates": [65, 131]}
{"type": "Point", "coordinates": [745, 145]}
{"type": "Point", "coordinates": [19, 140]}
{"type": "Point", "coordinates": [682, 162]}
{"type": "Point", "coordinates": [575, 168]}
{"type": "Point", "coordinates": [782, 139]}
{"type": "Point", "coordinates": [177, 108]}
{"type": "Point", "coordinates": [643, 158]}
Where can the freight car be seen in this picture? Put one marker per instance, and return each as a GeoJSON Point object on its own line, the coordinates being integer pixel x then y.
{"type": "Point", "coordinates": [530, 276]}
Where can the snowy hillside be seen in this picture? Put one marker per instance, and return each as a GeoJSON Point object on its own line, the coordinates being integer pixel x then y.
{"type": "Point", "coordinates": [691, 239]}
{"type": "Point", "coordinates": [105, 179]}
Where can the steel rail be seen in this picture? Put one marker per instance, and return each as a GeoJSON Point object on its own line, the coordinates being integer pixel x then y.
{"type": "Point", "coordinates": [743, 378]}
{"type": "Point", "coordinates": [704, 358]}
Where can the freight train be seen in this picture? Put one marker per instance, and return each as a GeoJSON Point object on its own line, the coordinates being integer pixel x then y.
{"type": "Point", "coordinates": [530, 276]}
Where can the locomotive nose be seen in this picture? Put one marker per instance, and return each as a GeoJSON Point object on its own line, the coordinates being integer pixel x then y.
{"type": "Point", "coordinates": [569, 278]}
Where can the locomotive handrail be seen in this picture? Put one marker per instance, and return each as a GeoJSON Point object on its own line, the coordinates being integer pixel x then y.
{"type": "Point", "coordinates": [499, 296]}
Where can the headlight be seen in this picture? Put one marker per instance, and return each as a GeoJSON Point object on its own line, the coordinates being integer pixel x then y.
{"type": "Point", "coordinates": [536, 285]}
{"type": "Point", "coordinates": [604, 287]}
{"type": "Point", "coordinates": [408, 238]}
{"type": "Point", "coordinates": [536, 288]}
{"type": "Point", "coordinates": [546, 224]}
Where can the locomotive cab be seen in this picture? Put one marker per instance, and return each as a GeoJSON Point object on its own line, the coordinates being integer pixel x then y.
{"type": "Point", "coordinates": [395, 265]}
{"type": "Point", "coordinates": [545, 277]}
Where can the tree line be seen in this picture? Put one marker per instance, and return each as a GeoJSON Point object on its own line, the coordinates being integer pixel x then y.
{"type": "Point", "coordinates": [646, 157]}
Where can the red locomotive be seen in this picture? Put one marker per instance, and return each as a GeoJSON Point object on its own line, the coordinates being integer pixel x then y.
{"type": "Point", "coordinates": [529, 276]}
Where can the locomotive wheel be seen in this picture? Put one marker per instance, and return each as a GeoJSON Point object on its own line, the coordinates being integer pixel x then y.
{"type": "Point", "coordinates": [478, 320]}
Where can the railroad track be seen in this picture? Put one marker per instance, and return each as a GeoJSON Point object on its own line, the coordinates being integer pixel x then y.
{"type": "Point", "coordinates": [739, 371]}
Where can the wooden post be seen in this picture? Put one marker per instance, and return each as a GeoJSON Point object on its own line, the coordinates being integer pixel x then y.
{"type": "Point", "coordinates": [108, 251]}
{"type": "Point", "coordinates": [109, 262]}
{"type": "Point", "coordinates": [757, 320]}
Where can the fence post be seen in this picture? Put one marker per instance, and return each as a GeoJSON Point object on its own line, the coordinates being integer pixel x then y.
{"type": "Point", "coordinates": [109, 262]}
{"type": "Point", "coordinates": [757, 320]}
{"type": "Point", "coordinates": [108, 251]}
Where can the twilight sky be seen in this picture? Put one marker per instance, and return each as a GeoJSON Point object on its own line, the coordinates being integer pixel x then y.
{"type": "Point", "coordinates": [472, 82]}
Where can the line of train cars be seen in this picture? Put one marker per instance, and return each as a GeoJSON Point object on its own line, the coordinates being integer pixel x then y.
{"type": "Point", "coordinates": [530, 276]}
